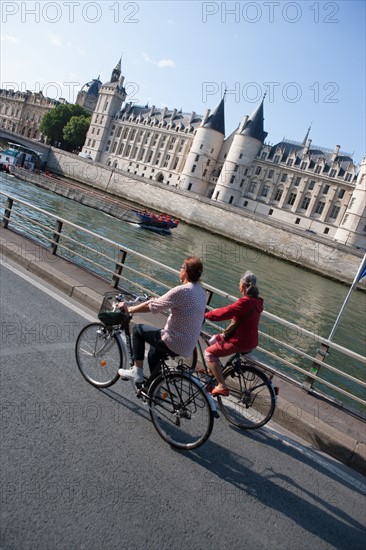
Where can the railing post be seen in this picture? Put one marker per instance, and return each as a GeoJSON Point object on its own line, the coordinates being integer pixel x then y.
{"type": "Point", "coordinates": [210, 295]}
{"type": "Point", "coordinates": [321, 354]}
{"type": "Point", "coordinates": [8, 209]}
{"type": "Point", "coordinates": [56, 237]}
{"type": "Point", "coordinates": [119, 266]}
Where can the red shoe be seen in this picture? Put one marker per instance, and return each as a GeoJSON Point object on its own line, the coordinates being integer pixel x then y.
{"type": "Point", "coordinates": [218, 391]}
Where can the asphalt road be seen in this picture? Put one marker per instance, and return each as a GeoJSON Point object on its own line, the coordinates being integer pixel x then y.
{"type": "Point", "coordinates": [83, 468]}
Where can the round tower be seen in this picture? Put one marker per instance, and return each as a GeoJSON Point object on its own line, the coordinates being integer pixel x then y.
{"type": "Point", "coordinates": [204, 151]}
{"type": "Point", "coordinates": [245, 147]}
{"type": "Point", "coordinates": [352, 229]}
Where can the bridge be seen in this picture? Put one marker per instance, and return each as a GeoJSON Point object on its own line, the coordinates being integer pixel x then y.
{"type": "Point", "coordinates": [304, 409]}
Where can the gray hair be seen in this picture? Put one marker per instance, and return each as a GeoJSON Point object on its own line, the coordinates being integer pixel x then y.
{"type": "Point", "coordinates": [249, 280]}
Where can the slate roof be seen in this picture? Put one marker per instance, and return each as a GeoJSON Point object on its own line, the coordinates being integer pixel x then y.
{"type": "Point", "coordinates": [92, 87]}
{"type": "Point", "coordinates": [156, 116]}
{"type": "Point", "coordinates": [216, 120]}
{"type": "Point", "coordinates": [254, 125]}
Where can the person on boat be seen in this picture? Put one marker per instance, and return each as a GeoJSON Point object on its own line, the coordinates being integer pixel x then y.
{"type": "Point", "coordinates": [245, 313]}
{"type": "Point", "coordinates": [186, 304]}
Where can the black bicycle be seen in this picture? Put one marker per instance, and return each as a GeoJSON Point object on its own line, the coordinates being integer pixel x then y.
{"type": "Point", "coordinates": [252, 395]}
{"type": "Point", "coordinates": [180, 408]}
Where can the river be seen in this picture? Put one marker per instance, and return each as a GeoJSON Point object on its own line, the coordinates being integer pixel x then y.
{"type": "Point", "coordinates": [295, 294]}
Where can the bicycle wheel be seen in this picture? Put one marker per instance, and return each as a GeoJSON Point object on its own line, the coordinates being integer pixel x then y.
{"type": "Point", "coordinates": [252, 400]}
{"type": "Point", "coordinates": [180, 411]}
{"type": "Point", "coordinates": [98, 355]}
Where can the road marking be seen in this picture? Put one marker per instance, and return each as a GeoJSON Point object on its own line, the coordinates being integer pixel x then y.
{"type": "Point", "coordinates": [46, 290]}
{"type": "Point", "coordinates": [326, 461]}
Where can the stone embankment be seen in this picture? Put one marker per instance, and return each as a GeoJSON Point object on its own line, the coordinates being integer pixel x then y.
{"type": "Point", "coordinates": [104, 188]}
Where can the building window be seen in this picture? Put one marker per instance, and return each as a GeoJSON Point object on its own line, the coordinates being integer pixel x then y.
{"type": "Point", "coordinates": [231, 199]}
{"type": "Point", "coordinates": [297, 221]}
{"type": "Point", "coordinates": [197, 158]}
{"type": "Point", "coordinates": [245, 203]}
{"type": "Point", "coordinates": [318, 169]}
{"type": "Point", "coordinates": [278, 195]}
{"type": "Point", "coordinates": [291, 199]}
{"type": "Point", "coordinates": [252, 186]}
{"type": "Point", "coordinates": [297, 182]}
{"type": "Point", "coordinates": [240, 156]}
{"type": "Point", "coordinates": [326, 189]}
{"type": "Point", "coordinates": [348, 177]}
{"type": "Point", "coordinates": [265, 191]}
{"type": "Point", "coordinates": [236, 167]}
{"type": "Point", "coordinates": [189, 186]}
{"type": "Point", "coordinates": [311, 185]}
{"type": "Point", "coordinates": [176, 160]}
{"type": "Point", "coordinates": [305, 203]}
{"type": "Point", "coordinates": [258, 170]}
{"type": "Point", "coordinates": [263, 156]}
{"type": "Point", "coordinates": [341, 193]}
{"type": "Point", "coordinates": [334, 212]}
{"type": "Point", "coordinates": [194, 168]}
{"type": "Point", "coordinates": [284, 177]}
{"type": "Point", "coordinates": [232, 179]}
{"type": "Point", "coordinates": [149, 156]}
{"type": "Point", "coordinates": [290, 162]}
{"type": "Point", "coordinates": [326, 231]}
{"type": "Point", "coordinates": [204, 172]}
{"type": "Point", "coordinates": [303, 165]}
{"type": "Point", "coordinates": [276, 159]}
{"type": "Point", "coordinates": [270, 212]}
{"type": "Point", "coordinates": [201, 145]}
{"type": "Point", "coordinates": [332, 173]}
{"type": "Point", "coordinates": [270, 174]}
{"type": "Point", "coordinates": [319, 207]}
{"type": "Point", "coordinates": [242, 183]}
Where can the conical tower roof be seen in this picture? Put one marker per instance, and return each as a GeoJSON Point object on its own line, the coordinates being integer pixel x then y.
{"type": "Point", "coordinates": [216, 120]}
{"type": "Point", "coordinates": [254, 125]}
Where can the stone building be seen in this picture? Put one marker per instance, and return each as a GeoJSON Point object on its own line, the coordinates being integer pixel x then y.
{"type": "Point", "coordinates": [297, 183]}
{"type": "Point", "coordinates": [22, 112]}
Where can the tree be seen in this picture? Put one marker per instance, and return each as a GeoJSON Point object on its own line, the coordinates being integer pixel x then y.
{"type": "Point", "coordinates": [74, 132]}
{"type": "Point", "coordinates": [54, 121]}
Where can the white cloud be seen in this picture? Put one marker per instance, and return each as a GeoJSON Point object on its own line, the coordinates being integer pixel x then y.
{"type": "Point", "coordinates": [55, 40]}
{"type": "Point", "coordinates": [8, 38]}
{"type": "Point", "coordinates": [166, 63]}
{"type": "Point", "coordinates": [162, 64]}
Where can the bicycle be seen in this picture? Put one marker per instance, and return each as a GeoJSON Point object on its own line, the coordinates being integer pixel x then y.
{"type": "Point", "coordinates": [252, 395]}
{"type": "Point", "coordinates": [181, 410]}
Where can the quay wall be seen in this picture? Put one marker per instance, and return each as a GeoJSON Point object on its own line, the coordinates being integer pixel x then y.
{"type": "Point", "coordinates": [312, 252]}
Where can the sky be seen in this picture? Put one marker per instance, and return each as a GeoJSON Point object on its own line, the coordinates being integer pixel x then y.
{"type": "Point", "coordinates": [309, 56]}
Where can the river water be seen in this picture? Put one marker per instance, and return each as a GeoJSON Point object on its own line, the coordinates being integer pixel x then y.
{"type": "Point", "coordinates": [295, 294]}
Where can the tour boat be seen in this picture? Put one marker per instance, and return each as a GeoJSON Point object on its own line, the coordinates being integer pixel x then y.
{"type": "Point", "coordinates": [160, 223]}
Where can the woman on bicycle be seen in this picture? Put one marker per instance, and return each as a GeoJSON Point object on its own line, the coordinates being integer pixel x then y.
{"type": "Point", "coordinates": [245, 312]}
{"type": "Point", "coordinates": [187, 304]}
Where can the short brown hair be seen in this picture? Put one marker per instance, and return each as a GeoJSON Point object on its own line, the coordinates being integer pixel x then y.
{"type": "Point", "coordinates": [194, 267]}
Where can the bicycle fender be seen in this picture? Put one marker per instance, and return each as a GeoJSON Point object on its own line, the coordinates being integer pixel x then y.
{"type": "Point", "coordinates": [211, 400]}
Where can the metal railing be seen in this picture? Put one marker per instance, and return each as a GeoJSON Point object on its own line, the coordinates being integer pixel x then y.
{"type": "Point", "coordinates": [114, 262]}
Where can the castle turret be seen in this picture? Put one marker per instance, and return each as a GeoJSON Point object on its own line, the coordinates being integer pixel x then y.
{"type": "Point", "coordinates": [204, 151]}
{"type": "Point", "coordinates": [112, 94]}
{"type": "Point", "coordinates": [245, 147]}
{"type": "Point", "coordinates": [352, 228]}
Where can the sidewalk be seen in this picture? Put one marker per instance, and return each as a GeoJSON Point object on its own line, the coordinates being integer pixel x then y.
{"type": "Point", "coordinates": [325, 426]}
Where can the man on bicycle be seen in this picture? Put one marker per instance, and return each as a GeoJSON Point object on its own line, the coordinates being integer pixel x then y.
{"type": "Point", "coordinates": [187, 304]}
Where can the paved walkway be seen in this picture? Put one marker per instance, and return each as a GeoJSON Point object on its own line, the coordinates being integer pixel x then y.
{"type": "Point", "coordinates": [324, 425]}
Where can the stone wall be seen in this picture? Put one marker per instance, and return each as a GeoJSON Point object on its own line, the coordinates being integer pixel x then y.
{"type": "Point", "coordinates": [313, 252]}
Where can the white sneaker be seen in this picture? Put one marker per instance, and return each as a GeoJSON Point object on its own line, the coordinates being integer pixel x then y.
{"type": "Point", "coordinates": [136, 374]}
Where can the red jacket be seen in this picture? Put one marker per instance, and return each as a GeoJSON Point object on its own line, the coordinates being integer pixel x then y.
{"type": "Point", "coordinates": [248, 311]}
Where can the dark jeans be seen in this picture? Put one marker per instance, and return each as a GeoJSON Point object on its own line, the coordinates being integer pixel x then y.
{"type": "Point", "coordinates": [158, 350]}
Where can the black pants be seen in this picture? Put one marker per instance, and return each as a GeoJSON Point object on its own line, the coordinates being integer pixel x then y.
{"type": "Point", "coordinates": [158, 350]}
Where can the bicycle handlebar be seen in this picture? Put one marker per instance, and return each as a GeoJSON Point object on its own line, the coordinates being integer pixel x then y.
{"type": "Point", "coordinates": [122, 298]}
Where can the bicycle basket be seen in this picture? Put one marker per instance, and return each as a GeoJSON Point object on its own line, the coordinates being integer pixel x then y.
{"type": "Point", "coordinates": [108, 314]}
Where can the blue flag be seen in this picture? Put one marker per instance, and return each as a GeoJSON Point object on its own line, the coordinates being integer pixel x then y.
{"type": "Point", "coordinates": [362, 271]}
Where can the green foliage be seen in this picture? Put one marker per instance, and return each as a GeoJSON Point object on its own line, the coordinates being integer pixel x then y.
{"type": "Point", "coordinates": [54, 121]}
{"type": "Point", "coordinates": [74, 132]}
